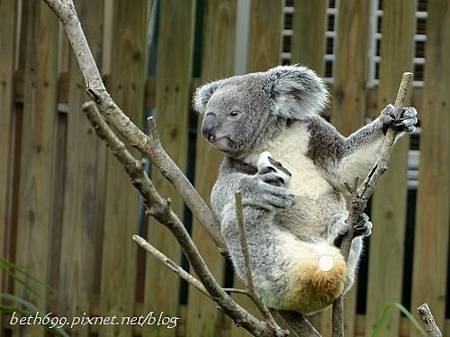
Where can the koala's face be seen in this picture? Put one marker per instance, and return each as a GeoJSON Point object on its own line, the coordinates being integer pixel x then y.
{"type": "Point", "coordinates": [236, 114]}
{"type": "Point", "coordinates": [242, 112]}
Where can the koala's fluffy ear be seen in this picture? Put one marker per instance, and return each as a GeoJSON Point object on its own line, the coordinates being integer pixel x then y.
{"type": "Point", "coordinates": [297, 91]}
{"type": "Point", "coordinates": [203, 94]}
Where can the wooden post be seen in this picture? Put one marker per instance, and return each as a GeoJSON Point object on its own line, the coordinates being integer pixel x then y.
{"type": "Point", "coordinates": [173, 97]}
{"type": "Point", "coordinates": [389, 200]}
{"type": "Point", "coordinates": [219, 34]}
{"type": "Point", "coordinates": [350, 75]}
{"type": "Point", "coordinates": [431, 233]}
{"type": "Point", "coordinates": [308, 40]}
{"type": "Point", "coordinates": [37, 158]}
{"type": "Point", "coordinates": [266, 20]}
{"type": "Point", "coordinates": [7, 58]}
{"type": "Point", "coordinates": [84, 185]}
{"type": "Point", "coordinates": [127, 86]}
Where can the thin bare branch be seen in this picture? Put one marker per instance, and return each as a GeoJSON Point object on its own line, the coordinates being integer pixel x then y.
{"type": "Point", "coordinates": [297, 323]}
{"type": "Point", "coordinates": [247, 265]}
{"type": "Point", "coordinates": [428, 321]}
{"type": "Point", "coordinates": [237, 291]}
{"type": "Point", "coordinates": [358, 201]}
{"type": "Point", "coordinates": [170, 264]}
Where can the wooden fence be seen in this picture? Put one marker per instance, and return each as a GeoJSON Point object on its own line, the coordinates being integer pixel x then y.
{"type": "Point", "coordinates": [68, 211]}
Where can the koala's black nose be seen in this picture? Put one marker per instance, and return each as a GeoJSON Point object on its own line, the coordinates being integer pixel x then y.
{"type": "Point", "coordinates": [209, 126]}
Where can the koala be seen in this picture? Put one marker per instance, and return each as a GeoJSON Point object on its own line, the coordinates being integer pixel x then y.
{"type": "Point", "coordinates": [290, 165]}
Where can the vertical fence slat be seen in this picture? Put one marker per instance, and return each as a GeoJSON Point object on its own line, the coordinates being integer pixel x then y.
{"type": "Point", "coordinates": [389, 200]}
{"type": "Point", "coordinates": [173, 96]}
{"type": "Point", "coordinates": [218, 48]}
{"type": "Point", "coordinates": [266, 19]}
{"type": "Point", "coordinates": [7, 56]}
{"type": "Point", "coordinates": [38, 144]}
{"type": "Point", "coordinates": [350, 74]}
{"type": "Point", "coordinates": [431, 234]}
{"type": "Point", "coordinates": [308, 40]}
{"type": "Point", "coordinates": [127, 84]}
{"type": "Point", "coordinates": [81, 233]}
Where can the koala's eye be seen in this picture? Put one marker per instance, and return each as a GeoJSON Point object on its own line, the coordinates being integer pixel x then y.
{"type": "Point", "coordinates": [234, 113]}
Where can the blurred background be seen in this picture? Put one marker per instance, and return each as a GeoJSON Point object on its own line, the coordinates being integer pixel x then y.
{"type": "Point", "coordinates": [67, 209]}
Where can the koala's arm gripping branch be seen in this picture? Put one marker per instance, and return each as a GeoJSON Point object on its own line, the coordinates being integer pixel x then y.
{"type": "Point", "coordinates": [360, 195]}
{"type": "Point", "coordinates": [149, 146]}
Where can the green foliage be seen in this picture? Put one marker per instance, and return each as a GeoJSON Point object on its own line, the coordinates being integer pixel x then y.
{"type": "Point", "coordinates": [384, 315]}
{"type": "Point", "coordinates": [18, 304]}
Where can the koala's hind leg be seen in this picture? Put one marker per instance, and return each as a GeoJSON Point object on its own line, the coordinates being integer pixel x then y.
{"type": "Point", "coordinates": [352, 262]}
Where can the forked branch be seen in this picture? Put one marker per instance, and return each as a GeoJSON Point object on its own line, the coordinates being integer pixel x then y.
{"type": "Point", "coordinates": [360, 195]}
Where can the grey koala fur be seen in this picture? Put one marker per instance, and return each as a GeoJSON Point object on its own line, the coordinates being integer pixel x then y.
{"type": "Point", "coordinates": [292, 220]}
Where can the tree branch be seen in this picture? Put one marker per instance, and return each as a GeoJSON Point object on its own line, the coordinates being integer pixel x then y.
{"type": "Point", "coordinates": [170, 264]}
{"type": "Point", "coordinates": [359, 196]}
{"type": "Point", "coordinates": [428, 321]}
{"type": "Point", "coordinates": [297, 323]}
{"type": "Point", "coordinates": [149, 146]}
{"type": "Point", "coordinates": [247, 266]}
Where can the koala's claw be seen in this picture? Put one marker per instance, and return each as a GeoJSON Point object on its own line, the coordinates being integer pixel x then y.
{"type": "Point", "coordinates": [271, 178]}
{"type": "Point", "coordinates": [278, 197]}
{"type": "Point", "coordinates": [267, 165]}
{"type": "Point", "coordinates": [339, 229]}
{"type": "Point", "coordinates": [405, 123]}
{"type": "Point", "coordinates": [363, 227]}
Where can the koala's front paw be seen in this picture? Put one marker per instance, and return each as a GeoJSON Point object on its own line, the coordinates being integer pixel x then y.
{"type": "Point", "coordinates": [405, 123]}
{"type": "Point", "coordinates": [272, 171]}
{"type": "Point", "coordinates": [268, 196]}
{"type": "Point", "coordinates": [267, 189]}
{"type": "Point", "coordinates": [363, 227]}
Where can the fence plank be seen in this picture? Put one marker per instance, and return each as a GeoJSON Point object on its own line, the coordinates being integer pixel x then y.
{"type": "Point", "coordinates": [389, 200]}
{"type": "Point", "coordinates": [350, 74]}
{"type": "Point", "coordinates": [81, 233]}
{"type": "Point", "coordinates": [127, 83]}
{"type": "Point", "coordinates": [431, 234]}
{"type": "Point", "coordinates": [219, 33]}
{"type": "Point", "coordinates": [37, 157]}
{"type": "Point", "coordinates": [7, 57]}
{"type": "Point", "coordinates": [308, 40]}
{"type": "Point", "coordinates": [173, 95]}
{"type": "Point", "coordinates": [266, 18]}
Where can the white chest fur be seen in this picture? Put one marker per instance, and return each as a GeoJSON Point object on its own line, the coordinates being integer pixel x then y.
{"type": "Point", "coordinates": [290, 149]}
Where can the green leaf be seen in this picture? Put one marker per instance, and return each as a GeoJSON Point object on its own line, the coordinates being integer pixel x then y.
{"type": "Point", "coordinates": [12, 268]}
{"type": "Point", "coordinates": [384, 315]}
{"type": "Point", "coordinates": [31, 309]}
